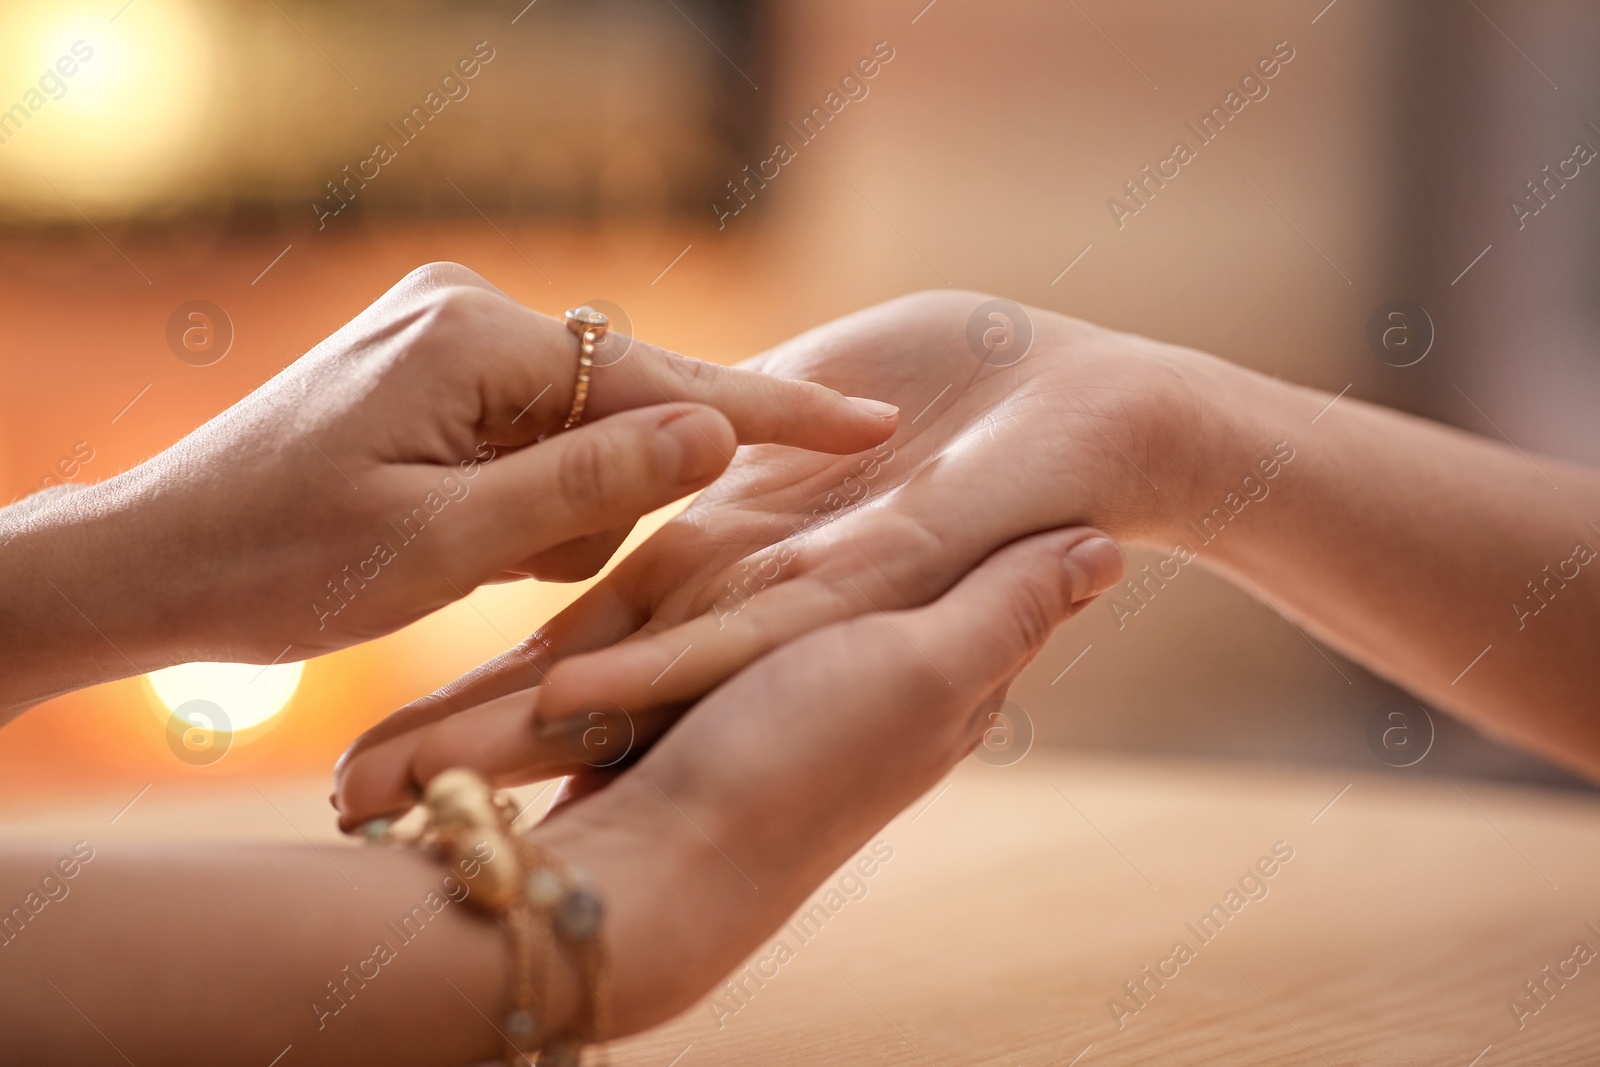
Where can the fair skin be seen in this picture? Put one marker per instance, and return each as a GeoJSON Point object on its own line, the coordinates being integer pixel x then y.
{"type": "Point", "coordinates": [257, 538]}
{"type": "Point", "coordinates": [744, 793]}
{"type": "Point", "coordinates": [1405, 545]}
{"type": "Point", "coordinates": [215, 541]}
{"type": "Point", "coordinates": [880, 602]}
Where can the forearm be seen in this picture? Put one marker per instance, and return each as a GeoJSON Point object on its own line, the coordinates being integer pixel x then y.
{"type": "Point", "coordinates": [1448, 563]}
{"type": "Point", "coordinates": [232, 954]}
{"type": "Point", "coordinates": [56, 633]}
{"type": "Point", "coordinates": [125, 576]}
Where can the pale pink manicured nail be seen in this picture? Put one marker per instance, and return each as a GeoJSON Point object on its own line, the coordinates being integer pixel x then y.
{"type": "Point", "coordinates": [875, 408]}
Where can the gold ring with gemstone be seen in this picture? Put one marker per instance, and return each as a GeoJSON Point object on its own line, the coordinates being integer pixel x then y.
{"type": "Point", "coordinates": [590, 326]}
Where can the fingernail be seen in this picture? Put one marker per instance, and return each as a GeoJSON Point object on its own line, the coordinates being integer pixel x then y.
{"type": "Point", "coordinates": [1094, 565]}
{"type": "Point", "coordinates": [688, 451]}
{"type": "Point", "coordinates": [876, 408]}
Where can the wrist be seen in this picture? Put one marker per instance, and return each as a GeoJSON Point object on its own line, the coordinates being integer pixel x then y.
{"type": "Point", "coordinates": [68, 619]}
{"type": "Point", "coordinates": [37, 631]}
{"type": "Point", "coordinates": [1224, 448]}
{"type": "Point", "coordinates": [678, 913]}
{"type": "Point", "coordinates": [1147, 430]}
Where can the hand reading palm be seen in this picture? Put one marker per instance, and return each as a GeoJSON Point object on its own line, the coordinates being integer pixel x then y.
{"type": "Point", "coordinates": [788, 541]}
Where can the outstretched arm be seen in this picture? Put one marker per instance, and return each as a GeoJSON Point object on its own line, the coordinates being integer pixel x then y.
{"type": "Point", "coordinates": [1454, 565]}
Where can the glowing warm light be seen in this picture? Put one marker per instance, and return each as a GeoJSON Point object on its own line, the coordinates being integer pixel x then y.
{"type": "Point", "coordinates": [248, 693]}
{"type": "Point", "coordinates": [122, 124]}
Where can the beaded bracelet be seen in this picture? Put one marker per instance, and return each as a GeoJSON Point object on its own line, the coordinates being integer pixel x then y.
{"type": "Point", "coordinates": [545, 905]}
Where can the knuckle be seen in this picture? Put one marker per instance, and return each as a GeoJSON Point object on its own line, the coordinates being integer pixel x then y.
{"type": "Point", "coordinates": [688, 370]}
{"type": "Point", "coordinates": [587, 474]}
{"type": "Point", "coordinates": [1034, 611]}
{"type": "Point", "coordinates": [926, 298]}
{"type": "Point", "coordinates": [935, 302]}
{"type": "Point", "coordinates": [441, 273]}
{"type": "Point", "coordinates": [453, 311]}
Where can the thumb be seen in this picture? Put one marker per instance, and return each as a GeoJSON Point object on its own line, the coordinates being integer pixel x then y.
{"type": "Point", "coordinates": [1094, 564]}
{"type": "Point", "coordinates": [997, 617]}
{"type": "Point", "coordinates": [599, 476]}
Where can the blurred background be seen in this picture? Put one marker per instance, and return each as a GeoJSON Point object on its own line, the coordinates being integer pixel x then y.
{"type": "Point", "coordinates": [273, 165]}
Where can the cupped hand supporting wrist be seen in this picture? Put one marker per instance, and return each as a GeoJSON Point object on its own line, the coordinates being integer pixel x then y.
{"type": "Point", "coordinates": [707, 844]}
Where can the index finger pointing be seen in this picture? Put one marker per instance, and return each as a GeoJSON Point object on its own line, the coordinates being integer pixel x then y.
{"type": "Point", "coordinates": [763, 409]}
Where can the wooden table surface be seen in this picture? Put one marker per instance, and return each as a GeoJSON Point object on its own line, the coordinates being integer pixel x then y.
{"type": "Point", "coordinates": [1017, 901]}
{"type": "Point", "coordinates": [1020, 899]}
